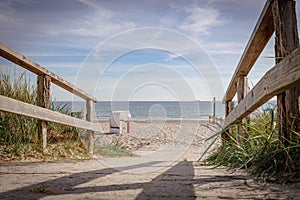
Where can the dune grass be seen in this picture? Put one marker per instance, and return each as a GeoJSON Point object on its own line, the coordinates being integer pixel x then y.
{"type": "Point", "coordinates": [112, 149]}
{"type": "Point", "coordinates": [19, 134]}
{"type": "Point", "coordinates": [259, 150]}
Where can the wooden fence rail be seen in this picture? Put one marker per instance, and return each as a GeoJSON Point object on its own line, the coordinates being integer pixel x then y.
{"type": "Point", "coordinates": [44, 80]}
{"type": "Point", "coordinates": [284, 75]}
{"type": "Point", "coordinates": [37, 69]}
{"type": "Point", "coordinates": [25, 109]}
{"type": "Point", "coordinates": [262, 33]}
{"type": "Point", "coordinates": [283, 80]}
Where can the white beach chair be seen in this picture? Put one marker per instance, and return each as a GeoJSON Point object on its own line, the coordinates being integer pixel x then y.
{"type": "Point", "coordinates": [119, 122]}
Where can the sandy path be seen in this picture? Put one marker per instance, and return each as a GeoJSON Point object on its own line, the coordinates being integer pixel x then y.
{"type": "Point", "coordinates": [132, 179]}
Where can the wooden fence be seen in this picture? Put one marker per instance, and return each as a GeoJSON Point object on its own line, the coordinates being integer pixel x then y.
{"type": "Point", "coordinates": [42, 112]}
{"type": "Point", "coordinates": [283, 80]}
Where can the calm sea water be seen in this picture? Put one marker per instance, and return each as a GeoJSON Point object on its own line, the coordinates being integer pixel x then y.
{"type": "Point", "coordinates": [143, 110]}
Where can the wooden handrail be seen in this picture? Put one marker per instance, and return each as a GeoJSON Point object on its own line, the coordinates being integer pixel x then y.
{"type": "Point", "coordinates": [25, 109]}
{"type": "Point", "coordinates": [284, 75]}
{"type": "Point", "coordinates": [282, 81]}
{"type": "Point", "coordinates": [262, 33]}
{"type": "Point", "coordinates": [34, 67]}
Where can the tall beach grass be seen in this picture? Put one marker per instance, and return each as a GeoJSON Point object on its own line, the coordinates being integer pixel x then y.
{"type": "Point", "coordinates": [259, 149]}
{"type": "Point", "coordinates": [19, 134]}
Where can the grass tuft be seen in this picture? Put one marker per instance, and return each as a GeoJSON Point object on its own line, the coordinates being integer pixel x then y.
{"type": "Point", "coordinates": [259, 150]}
{"type": "Point", "coordinates": [113, 149]}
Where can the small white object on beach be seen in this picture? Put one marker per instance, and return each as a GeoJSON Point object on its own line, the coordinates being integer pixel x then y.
{"type": "Point", "coordinates": [118, 121]}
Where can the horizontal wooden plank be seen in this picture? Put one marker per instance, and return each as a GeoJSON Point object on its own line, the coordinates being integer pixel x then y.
{"type": "Point", "coordinates": [284, 75]}
{"type": "Point", "coordinates": [32, 66]}
{"type": "Point", "coordinates": [261, 34]}
{"type": "Point", "coordinates": [18, 107]}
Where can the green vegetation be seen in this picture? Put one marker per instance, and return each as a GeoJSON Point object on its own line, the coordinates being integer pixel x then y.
{"type": "Point", "coordinates": [259, 150]}
{"type": "Point", "coordinates": [112, 149]}
{"type": "Point", "coordinates": [19, 134]}
{"type": "Point", "coordinates": [17, 130]}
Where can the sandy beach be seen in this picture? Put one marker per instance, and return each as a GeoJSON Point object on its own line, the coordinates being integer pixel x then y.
{"type": "Point", "coordinates": [165, 168]}
{"type": "Point", "coordinates": [157, 135]}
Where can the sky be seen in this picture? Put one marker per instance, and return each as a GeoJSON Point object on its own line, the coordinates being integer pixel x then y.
{"type": "Point", "coordinates": [136, 50]}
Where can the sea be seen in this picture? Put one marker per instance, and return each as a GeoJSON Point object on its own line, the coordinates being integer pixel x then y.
{"type": "Point", "coordinates": [151, 110]}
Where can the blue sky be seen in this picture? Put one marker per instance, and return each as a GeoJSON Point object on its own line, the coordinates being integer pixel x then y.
{"type": "Point", "coordinates": [107, 48]}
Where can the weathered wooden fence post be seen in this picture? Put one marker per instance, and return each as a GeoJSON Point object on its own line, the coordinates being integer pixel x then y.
{"type": "Point", "coordinates": [228, 108]}
{"type": "Point", "coordinates": [286, 41]}
{"type": "Point", "coordinates": [43, 100]}
{"type": "Point", "coordinates": [89, 117]}
{"type": "Point", "coordinates": [214, 110]}
{"type": "Point", "coordinates": [242, 90]}
{"type": "Point", "coordinates": [242, 87]}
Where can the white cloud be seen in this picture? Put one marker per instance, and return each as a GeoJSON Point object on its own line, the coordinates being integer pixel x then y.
{"type": "Point", "coordinates": [103, 12]}
{"type": "Point", "coordinates": [8, 14]}
{"type": "Point", "coordinates": [99, 21]}
{"type": "Point", "coordinates": [200, 19]}
{"type": "Point", "coordinates": [235, 48]}
{"type": "Point", "coordinates": [172, 56]}
{"type": "Point", "coordinates": [191, 18]}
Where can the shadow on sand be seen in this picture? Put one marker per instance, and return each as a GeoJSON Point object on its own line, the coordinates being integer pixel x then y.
{"type": "Point", "coordinates": [175, 183]}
